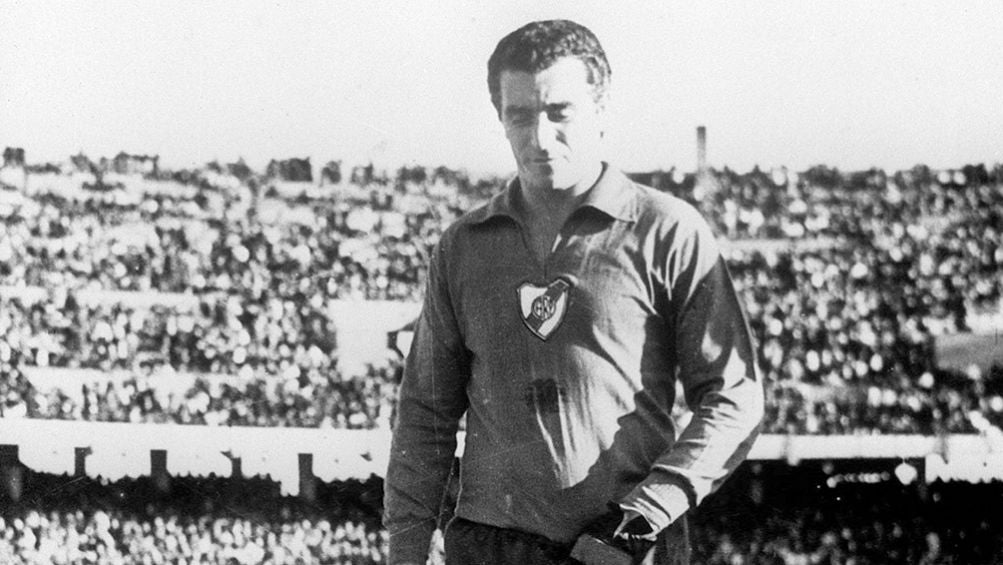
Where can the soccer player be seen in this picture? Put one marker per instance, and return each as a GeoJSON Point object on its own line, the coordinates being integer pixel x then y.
{"type": "Point", "coordinates": [559, 317]}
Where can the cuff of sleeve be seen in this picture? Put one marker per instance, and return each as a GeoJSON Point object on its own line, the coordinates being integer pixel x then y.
{"type": "Point", "coordinates": [659, 499]}
{"type": "Point", "coordinates": [411, 544]}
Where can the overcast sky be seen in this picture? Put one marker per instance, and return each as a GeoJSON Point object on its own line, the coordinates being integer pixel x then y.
{"type": "Point", "coordinates": [784, 82]}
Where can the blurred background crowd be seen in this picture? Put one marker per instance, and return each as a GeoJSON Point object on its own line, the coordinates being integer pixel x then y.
{"type": "Point", "coordinates": [207, 297]}
{"type": "Point", "coordinates": [226, 278]}
{"type": "Point", "coordinates": [854, 512]}
{"type": "Point", "coordinates": [196, 521]}
{"type": "Point", "coordinates": [770, 513]}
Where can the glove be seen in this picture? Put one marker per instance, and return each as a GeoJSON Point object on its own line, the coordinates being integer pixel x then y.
{"type": "Point", "coordinates": [626, 531]}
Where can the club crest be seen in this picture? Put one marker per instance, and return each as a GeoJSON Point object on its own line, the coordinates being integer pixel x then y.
{"type": "Point", "coordinates": [543, 307]}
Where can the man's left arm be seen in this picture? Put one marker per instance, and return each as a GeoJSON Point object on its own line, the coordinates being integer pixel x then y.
{"type": "Point", "coordinates": [717, 367]}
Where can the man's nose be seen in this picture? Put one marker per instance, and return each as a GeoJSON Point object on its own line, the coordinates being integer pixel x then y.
{"type": "Point", "coordinates": [545, 132]}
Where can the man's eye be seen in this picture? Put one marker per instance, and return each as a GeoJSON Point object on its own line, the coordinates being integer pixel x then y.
{"type": "Point", "coordinates": [560, 114]}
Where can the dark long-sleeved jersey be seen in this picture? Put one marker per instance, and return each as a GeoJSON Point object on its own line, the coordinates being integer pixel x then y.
{"type": "Point", "coordinates": [567, 370]}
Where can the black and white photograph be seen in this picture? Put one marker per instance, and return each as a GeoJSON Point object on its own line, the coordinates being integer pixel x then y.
{"type": "Point", "coordinates": [531, 283]}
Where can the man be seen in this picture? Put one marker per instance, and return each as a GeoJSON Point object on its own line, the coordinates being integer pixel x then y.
{"type": "Point", "coordinates": [559, 318]}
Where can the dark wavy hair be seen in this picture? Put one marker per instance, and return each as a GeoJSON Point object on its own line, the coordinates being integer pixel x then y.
{"type": "Point", "coordinates": [538, 45]}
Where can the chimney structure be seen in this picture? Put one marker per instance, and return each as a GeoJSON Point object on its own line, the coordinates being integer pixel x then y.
{"type": "Point", "coordinates": [701, 150]}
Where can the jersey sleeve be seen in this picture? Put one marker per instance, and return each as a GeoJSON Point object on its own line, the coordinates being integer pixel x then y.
{"type": "Point", "coordinates": [431, 401]}
{"type": "Point", "coordinates": [717, 368]}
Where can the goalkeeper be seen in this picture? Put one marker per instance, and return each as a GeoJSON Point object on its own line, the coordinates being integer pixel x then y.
{"type": "Point", "coordinates": [559, 318]}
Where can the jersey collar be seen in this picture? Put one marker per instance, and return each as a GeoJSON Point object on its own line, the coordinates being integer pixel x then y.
{"type": "Point", "coordinates": [613, 195]}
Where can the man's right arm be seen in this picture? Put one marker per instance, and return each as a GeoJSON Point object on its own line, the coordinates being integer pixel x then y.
{"type": "Point", "coordinates": [431, 401]}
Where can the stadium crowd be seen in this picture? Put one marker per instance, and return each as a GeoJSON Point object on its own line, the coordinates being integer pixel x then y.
{"type": "Point", "coordinates": [862, 271]}
{"type": "Point", "coordinates": [293, 399]}
{"type": "Point", "coordinates": [196, 521]}
{"type": "Point", "coordinates": [773, 514]}
{"type": "Point", "coordinates": [167, 244]}
{"type": "Point", "coordinates": [122, 538]}
{"type": "Point", "coordinates": [847, 277]}
{"type": "Point", "coordinates": [769, 513]}
{"type": "Point", "coordinates": [853, 322]}
{"type": "Point", "coordinates": [215, 336]}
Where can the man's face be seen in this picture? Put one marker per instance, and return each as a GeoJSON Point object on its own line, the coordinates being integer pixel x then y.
{"type": "Point", "coordinates": [553, 123]}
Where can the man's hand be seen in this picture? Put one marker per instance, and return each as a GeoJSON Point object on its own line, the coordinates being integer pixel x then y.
{"type": "Point", "coordinates": [634, 526]}
{"type": "Point", "coordinates": [627, 531]}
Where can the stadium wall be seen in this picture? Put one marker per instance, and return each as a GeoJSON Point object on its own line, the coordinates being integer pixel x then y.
{"type": "Point", "coordinates": [116, 450]}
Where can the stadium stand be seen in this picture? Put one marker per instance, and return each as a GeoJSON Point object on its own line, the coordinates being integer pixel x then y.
{"type": "Point", "coordinates": [244, 521]}
{"type": "Point", "coordinates": [848, 278]}
{"type": "Point", "coordinates": [225, 299]}
{"type": "Point", "coordinates": [769, 513]}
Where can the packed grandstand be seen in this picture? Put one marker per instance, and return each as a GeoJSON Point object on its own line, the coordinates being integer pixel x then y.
{"type": "Point", "coordinates": [220, 297]}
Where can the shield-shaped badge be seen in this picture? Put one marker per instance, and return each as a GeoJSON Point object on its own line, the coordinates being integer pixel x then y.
{"type": "Point", "coordinates": [543, 307]}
